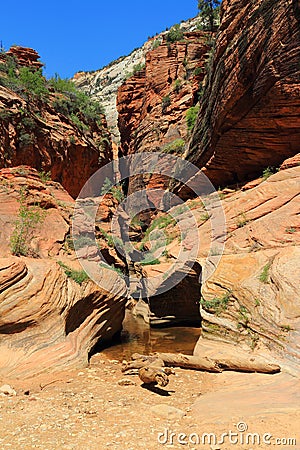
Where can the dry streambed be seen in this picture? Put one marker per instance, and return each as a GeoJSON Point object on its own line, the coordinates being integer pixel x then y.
{"type": "Point", "coordinates": [96, 409]}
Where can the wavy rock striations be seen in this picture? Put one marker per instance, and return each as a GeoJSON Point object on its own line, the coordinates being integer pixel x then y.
{"type": "Point", "coordinates": [251, 107]}
{"type": "Point", "coordinates": [48, 321]}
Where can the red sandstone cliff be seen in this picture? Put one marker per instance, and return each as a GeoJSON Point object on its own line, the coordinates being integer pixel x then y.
{"type": "Point", "coordinates": [250, 115]}
{"type": "Point", "coordinates": [152, 104]}
{"type": "Point", "coordinates": [34, 132]}
{"type": "Point", "coordinates": [40, 302]}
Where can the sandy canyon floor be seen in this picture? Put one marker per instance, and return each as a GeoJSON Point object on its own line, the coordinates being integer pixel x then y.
{"type": "Point", "coordinates": [92, 409]}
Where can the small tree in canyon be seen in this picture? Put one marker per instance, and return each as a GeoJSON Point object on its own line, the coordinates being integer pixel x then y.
{"type": "Point", "coordinates": [209, 13]}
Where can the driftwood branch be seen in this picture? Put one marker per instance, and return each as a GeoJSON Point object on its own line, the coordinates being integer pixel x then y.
{"type": "Point", "coordinates": [236, 363]}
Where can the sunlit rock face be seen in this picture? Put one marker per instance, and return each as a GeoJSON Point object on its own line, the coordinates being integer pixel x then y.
{"type": "Point", "coordinates": [249, 118]}
{"type": "Point", "coordinates": [34, 133]}
{"type": "Point", "coordinates": [48, 321]}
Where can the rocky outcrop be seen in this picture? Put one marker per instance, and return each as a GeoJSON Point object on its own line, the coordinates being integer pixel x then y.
{"type": "Point", "coordinates": [252, 296]}
{"type": "Point", "coordinates": [249, 117]}
{"type": "Point", "coordinates": [152, 104]}
{"type": "Point", "coordinates": [251, 299]}
{"type": "Point", "coordinates": [35, 133]}
{"type": "Point", "coordinates": [25, 56]}
{"type": "Point", "coordinates": [49, 319]}
{"type": "Point", "coordinates": [103, 84]}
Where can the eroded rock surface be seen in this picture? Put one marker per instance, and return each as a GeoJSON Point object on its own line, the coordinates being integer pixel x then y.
{"type": "Point", "coordinates": [250, 112]}
{"type": "Point", "coordinates": [48, 321]}
{"type": "Point", "coordinates": [252, 297]}
{"type": "Point", "coordinates": [33, 131]}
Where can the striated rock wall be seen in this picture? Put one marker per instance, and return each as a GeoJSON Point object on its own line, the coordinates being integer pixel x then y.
{"type": "Point", "coordinates": [48, 321]}
{"type": "Point", "coordinates": [34, 133]}
{"type": "Point", "coordinates": [251, 300]}
{"type": "Point", "coordinates": [259, 270]}
{"type": "Point", "coordinates": [250, 114]}
{"type": "Point", "coordinates": [103, 84]}
{"type": "Point", "coordinates": [152, 105]}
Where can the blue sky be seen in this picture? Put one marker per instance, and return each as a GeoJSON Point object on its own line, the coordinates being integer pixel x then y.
{"type": "Point", "coordinates": [86, 35]}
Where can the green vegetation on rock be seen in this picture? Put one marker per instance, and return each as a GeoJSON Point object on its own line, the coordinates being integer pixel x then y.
{"type": "Point", "coordinates": [209, 11]}
{"type": "Point", "coordinates": [176, 146]}
{"type": "Point", "coordinates": [79, 276]}
{"type": "Point", "coordinates": [191, 116]}
{"type": "Point", "coordinates": [175, 34]}
{"type": "Point", "coordinates": [28, 219]}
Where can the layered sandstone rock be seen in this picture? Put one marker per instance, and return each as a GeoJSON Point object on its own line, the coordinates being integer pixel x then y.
{"type": "Point", "coordinates": [48, 321]}
{"type": "Point", "coordinates": [250, 113]}
{"type": "Point", "coordinates": [26, 56]}
{"type": "Point", "coordinates": [103, 84]}
{"type": "Point", "coordinates": [251, 298]}
{"type": "Point", "coordinates": [33, 132]}
{"type": "Point", "coordinates": [152, 104]}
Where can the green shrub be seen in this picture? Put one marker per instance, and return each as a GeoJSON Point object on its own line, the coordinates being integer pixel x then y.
{"type": "Point", "coordinates": [242, 220]}
{"type": "Point", "coordinates": [45, 176]}
{"type": "Point", "coordinates": [218, 304]}
{"type": "Point", "coordinates": [290, 230]}
{"type": "Point", "coordinates": [175, 34]}
{"type": "Point", "coordinates": [62, 105]}
{"type": "Point", "coordinates": [209, 13]}
{"type": "Point", "coordinates": [27, 221]}
{"type": "Point", "coordinates": [191, 116]}
{"type": "Point", "coordinates": [264, 276]}
{"type": "Point", "coordinates": [25, 139]}
{"type": "Point", "coordinates": [112, 240]}
{"type": "Point", "coordinates": [159, 223]}
{"type": "Point", "coordinates": [82, 241]}
{"type": "Point", "coordinates": [177, 85]}
{"type": "Point", "coordinates": [25, 81]}
{"type": "Point", "coordinates": [33, 82]}
{"type": "Point", "coordinates": [79, 276]}
{"type": "Point", "coordinates": [150, 260]}
{"type": "Point", "coordinates": [204, 217]}
{"type": "Point", "coordinates": [156, 44]}
{"type": "Point", "coordinates": [166, 101]}
{"type": "Point", "coordinates": [74, 101]}
{"type": "Point", "coordinates": [176, 146]}
{"type": "Point", "coordinates": [79, 124]}
{"type": "Point", "coordinates": [116, 191]}
{"type": "Point", "coordinates": [198, 71]}
{"type": "Point", "coordinates": [112, 267]}
{"type": "Point", "coordinates": [62, 85]}
{"type": "Point", "coordinates": [268, 172]}
{"type": "Point", "coordinates": [28, 123]}
{"type": "Point", "coordinates": [137, 68]}
{"type": "Point", "coordinates": [5, 114]}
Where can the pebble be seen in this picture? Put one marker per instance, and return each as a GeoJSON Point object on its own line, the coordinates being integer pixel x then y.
{"type": "Point", "coordinates": [126, 382]}
{"type": "Point", "coordinates": [7, 390]}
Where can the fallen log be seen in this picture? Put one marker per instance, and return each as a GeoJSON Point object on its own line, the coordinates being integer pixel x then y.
{"type": "Point", "coordinates": [236, 363]}
{"type": "Point", "coordinates": [178, 360]}
{"type": "Point", "coordinates": [141, 362]}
